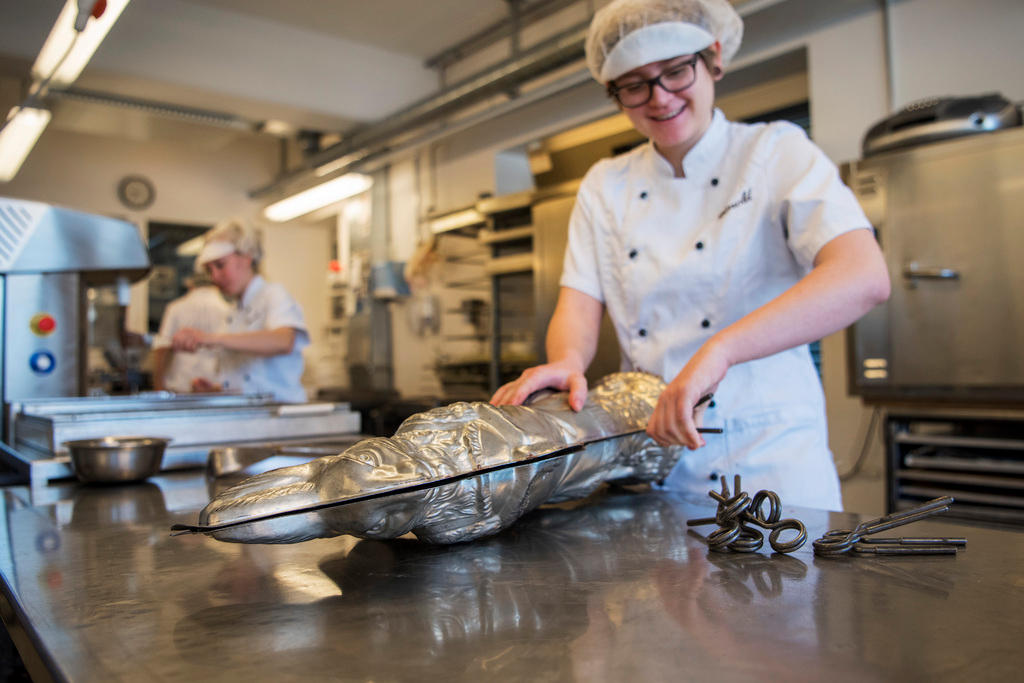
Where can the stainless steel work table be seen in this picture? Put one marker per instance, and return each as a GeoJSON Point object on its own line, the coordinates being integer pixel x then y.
{"type": "Point", "coordinates": [616, 589]}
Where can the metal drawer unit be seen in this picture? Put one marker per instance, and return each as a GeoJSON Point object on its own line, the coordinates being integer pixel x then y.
{"type": "Point", "coordinates": [976, 458]}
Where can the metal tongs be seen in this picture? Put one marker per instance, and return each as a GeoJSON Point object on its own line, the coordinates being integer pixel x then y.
{"type": "Point", "coordinates": [840, 541]}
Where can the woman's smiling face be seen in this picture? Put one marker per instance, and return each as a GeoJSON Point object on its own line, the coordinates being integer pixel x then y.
{"type": "Point", "coordinates": [674, 121]}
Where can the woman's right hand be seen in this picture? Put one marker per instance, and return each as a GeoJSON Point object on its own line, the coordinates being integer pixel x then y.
{"type": "Point", "coordinates": [188, 339]}
{"type": "Point", "coordinates": [559, 376]}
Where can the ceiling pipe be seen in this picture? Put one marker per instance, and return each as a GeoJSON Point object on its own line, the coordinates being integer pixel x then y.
{"type": "Point", "coordinates": [558, 51]}
{"type": "Point", "coordinates": [175, 111]}
{"type": "Point", "coordinates": [526, 13]}
{"type": "Point", "coordinates": [373, 160]}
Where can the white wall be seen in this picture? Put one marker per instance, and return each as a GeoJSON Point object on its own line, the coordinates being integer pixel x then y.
{"type": "Point", "coordinates": [953, 47]}
{"type": "Point", "coordinates": [296, 255]}
{"type": "Point", "coordinates": [194, 184]}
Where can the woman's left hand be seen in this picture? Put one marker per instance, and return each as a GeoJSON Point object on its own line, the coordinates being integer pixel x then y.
{"type": "Point", "coordinates": [674, 420]}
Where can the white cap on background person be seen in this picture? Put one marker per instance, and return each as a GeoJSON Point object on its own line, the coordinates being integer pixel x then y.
{"type": "Point", "coordinates": [230, 237]}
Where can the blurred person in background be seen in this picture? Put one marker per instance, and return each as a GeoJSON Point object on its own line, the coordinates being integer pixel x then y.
{"type": "Point", "coordinates": [201, 308]}
{"type": "Point", "coordinates": [262, 341]}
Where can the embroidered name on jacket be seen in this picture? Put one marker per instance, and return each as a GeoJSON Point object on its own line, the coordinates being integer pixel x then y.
{"type": "Point", "coordinates": [747, 196]}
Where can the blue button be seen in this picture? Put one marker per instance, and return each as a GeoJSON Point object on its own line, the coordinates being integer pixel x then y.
{"type": "Point", "coordinates": [42, 362]}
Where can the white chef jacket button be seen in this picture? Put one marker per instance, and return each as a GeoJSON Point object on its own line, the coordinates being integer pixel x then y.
{"type": "Point", "coordinates": [633, 253]}
{"type": "Point", "coordinates": [700, 245]}
{"type": "Point", "coordinates": [714, 181]}
{"type": "Point", "coordinates": [643, 195]}
{"type": "Point", "coordinates": [705, 323]}
{"type": "Point", "coordinates": [642, 332]}
{"type": "Point", "coordinates": [713, 476]}
{"type": "Point", "coordinates": [711, 404]}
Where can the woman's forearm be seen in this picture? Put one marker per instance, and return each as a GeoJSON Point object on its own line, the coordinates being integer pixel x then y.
{"type": "Point", "coordinates": [259, 342]}
{"type": "Point", "coordinates": [849, 278]}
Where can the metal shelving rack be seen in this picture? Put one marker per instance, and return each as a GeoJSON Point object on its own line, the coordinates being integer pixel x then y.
{"type": "Point", "coordinates": [976, 456]}
{"type": "Point", "coordinates": [509, 236]}
{"type": "Point", "coordinates": [503, 230]}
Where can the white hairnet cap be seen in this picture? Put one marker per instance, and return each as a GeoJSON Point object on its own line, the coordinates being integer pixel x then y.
{"type": "Point", "coordinates": [626, 34]}
{"type": "Point", "coordinates": [228, 237]}
{"type": "Point", "coordinates": [212, 251]}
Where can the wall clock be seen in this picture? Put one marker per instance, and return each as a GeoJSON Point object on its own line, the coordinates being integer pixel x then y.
{"type": "Point", "coordinates": [136, 192]}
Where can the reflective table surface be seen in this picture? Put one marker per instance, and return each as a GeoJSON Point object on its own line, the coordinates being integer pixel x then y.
{"type": "Point", "coordinates": [615, 588]}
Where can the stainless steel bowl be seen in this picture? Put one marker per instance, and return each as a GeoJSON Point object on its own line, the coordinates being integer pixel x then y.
{"type": "Point", "coordinates": [115, 459]}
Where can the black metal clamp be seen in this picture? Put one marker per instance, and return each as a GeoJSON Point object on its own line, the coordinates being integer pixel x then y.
{"type": "Point", "coordinates": [737, 516]}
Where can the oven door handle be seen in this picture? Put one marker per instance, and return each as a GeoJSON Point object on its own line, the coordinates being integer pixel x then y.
{"type": "Point", "coordinates": [914, 272]}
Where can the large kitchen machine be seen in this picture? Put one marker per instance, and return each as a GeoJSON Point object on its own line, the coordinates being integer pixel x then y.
{"type": "Point", "coordinates": [56, 267]}
{"type": "Point", "coordinates": [51, 259]}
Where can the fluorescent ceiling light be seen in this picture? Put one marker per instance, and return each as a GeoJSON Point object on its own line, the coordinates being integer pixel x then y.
{"type": "Point", "coordinates": [318, 197]}
{"type": "Point", "coordinates": [23, 128]}
{"type": "Point", "coordinates": [63, 36]}
{"type": "Point", "coordinates": [65, 53]}
{"type": "Point", "coordinates": [454, 221]}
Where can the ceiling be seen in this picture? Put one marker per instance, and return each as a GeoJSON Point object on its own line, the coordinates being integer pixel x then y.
{"type": "Point", "coordinates": [328, 66]}
{"type": "Point", "coordinates": [427, 26]}
{"type": "Point", "coordinates": [315, 64]}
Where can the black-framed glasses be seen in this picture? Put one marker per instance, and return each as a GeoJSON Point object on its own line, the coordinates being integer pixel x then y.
{"type": "Point", "coordinates": [675, 78]}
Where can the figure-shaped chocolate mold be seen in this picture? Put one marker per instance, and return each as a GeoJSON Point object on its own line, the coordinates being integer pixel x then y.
{"type": "Point", "coordinates": [450, 446]}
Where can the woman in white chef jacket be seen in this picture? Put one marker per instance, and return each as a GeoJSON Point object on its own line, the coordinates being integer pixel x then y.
{"type": "Point", "coordinates": [720, 250]}
{"type": "Point", "coordinates": [261, 349]}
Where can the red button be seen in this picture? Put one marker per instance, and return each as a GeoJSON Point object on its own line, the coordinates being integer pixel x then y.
{"type": "Point", "coordinates": [43, 324]}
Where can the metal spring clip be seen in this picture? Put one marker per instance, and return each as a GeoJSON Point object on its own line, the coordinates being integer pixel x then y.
{"type": "Point", "coordinates": [840, 541]}
{"type": "Point", "coordinates": [738, 512]}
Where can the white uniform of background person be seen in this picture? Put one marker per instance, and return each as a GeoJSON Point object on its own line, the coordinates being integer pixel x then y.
{"type": "Point", "coordinates": [266, 305]}
{"type": "Point", "coordinates": [261, 346]}
{"type": "Point", "coordinates": [203, 308]}
{"type": "Point", "coordinates": [719, 251]}
{"type": "Point", "coordinates": [675, 259]}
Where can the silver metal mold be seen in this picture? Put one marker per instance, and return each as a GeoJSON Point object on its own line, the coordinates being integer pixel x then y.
{"type": "Point", "coordinates": [454, 473]}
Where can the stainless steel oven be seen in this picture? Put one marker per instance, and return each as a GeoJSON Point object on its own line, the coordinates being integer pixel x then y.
{"type": "Point", "coordinates": [950, 218]}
